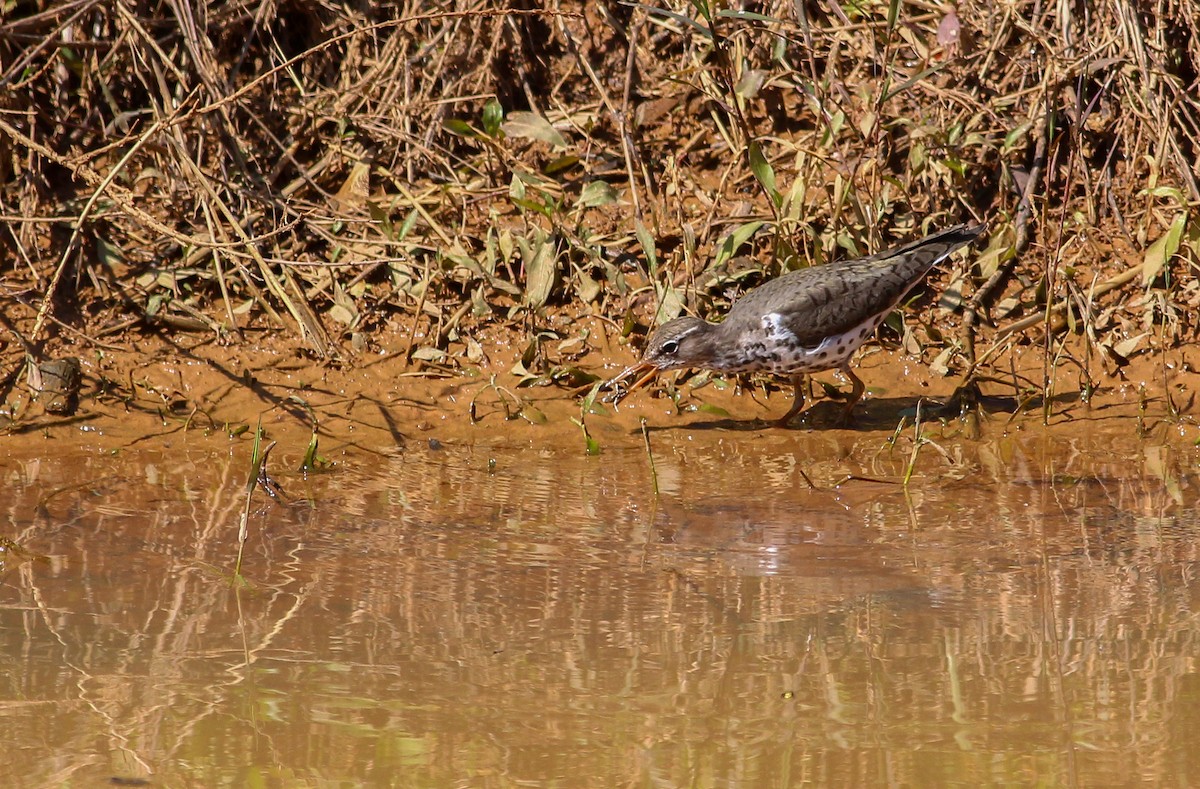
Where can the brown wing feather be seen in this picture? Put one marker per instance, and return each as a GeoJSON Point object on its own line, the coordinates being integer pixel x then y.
{"type": "Point", "coordinates": [820, 301]}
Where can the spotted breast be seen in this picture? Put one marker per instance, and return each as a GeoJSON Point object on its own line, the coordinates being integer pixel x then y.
{"type": "Point", "coordinates": [803, 322]}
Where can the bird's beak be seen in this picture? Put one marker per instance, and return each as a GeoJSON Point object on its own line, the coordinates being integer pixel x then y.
{"type": "Point", "coordinates": [647, 372]}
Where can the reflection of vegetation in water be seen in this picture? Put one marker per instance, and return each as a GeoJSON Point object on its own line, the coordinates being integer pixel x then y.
{"type": "Point", "coordinates": [1033, 619]}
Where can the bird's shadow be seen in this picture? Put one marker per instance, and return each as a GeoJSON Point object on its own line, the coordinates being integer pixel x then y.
{"type": "Point", "coordinates": [876, 414]}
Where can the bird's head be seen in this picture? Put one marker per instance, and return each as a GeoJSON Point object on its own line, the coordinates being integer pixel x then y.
{"type": "Point", "coordinates": [683, 342]}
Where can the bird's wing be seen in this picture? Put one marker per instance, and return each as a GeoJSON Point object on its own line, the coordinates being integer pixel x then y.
{"type": "Point", "coordinates": [820, 301]}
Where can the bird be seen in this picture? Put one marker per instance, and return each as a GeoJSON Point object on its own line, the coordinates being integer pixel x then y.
{"type": "Point", "coordinates": [802, 322]}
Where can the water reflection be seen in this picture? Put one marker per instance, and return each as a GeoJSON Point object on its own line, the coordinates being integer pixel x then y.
{"type": "Point", "coordinates": [487, 618]}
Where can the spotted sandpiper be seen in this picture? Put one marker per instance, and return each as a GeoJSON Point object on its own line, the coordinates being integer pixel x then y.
{"type": "Point", "coordinates": [803, 322]}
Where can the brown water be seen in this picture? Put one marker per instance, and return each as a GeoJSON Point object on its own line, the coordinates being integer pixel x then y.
{"type": "Point", "coordinates": [1026, 613]}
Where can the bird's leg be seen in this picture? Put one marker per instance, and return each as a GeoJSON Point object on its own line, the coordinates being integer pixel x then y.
{"type": "Point", "coordinates": [856, 392]}
{"type": "Point", "coordinates": [797, 401]}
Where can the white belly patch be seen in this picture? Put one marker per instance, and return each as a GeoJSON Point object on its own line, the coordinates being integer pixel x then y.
{"type": "Point", "coordinates": [776, 349]}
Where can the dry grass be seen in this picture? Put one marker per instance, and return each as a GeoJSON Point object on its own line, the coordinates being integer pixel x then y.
{"type": "Point", "coordinates": [296, 166]}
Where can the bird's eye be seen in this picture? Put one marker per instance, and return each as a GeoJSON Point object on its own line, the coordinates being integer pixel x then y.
{"type": "Point", "coordinates": [670, 346]}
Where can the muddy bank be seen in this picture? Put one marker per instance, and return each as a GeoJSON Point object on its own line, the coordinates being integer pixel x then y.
{"type": "Point", "coordinates": [146, 391]}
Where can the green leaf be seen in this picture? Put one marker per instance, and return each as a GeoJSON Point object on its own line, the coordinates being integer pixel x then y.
{"type": "Point", "coordinates": [1126, 347]}
{"type": "Point", "coordinates": [596, 194]}
{"type": "Point", "coordinates": [647, 241]}
{"type": "Point", "coordinates": [893, 14]}
{"type": "Point", "coordinates": [955, 164]}
{"type": "Point", "coordinates": [587, 288]}
{"type": "Point", "coordinates": [493, 115]}
{"type": "Point", "coordinates": [573, 376]}
{"type": "Point", "coordinates": [1164, 191]}
{"type": "Point", "coordinates": [749, 16]}
{"type": "Point", "coordinates": [532, 126]}
{"type": "Point", "coordinates": [588, 404]}
{"type": "Point", "coordinates": [427, 353]}
{"type": "Point", "coordinates": [732, 242]}
{"type": "Point", "coordinates": [751, 83]}
{"type": "Point", "coordinates": [541, 268]}
{"type": "Point", "coordinates": [109, 252]}
{"type": "Point", "coordinates": [999, 249]}
{"type": "Point", "coordinates": [342, 314]}
{"type": "Point", "coordinates": [764, 172]}
{"type": "Point", "coordinates": [533, 205]}
{"type": "Point", "coordinates": [908, 83]}
{"type": "Point", "coordinates": [1013, 137]}
{"type": "Point", "coordinates": [917, 156]}
{"type": "Point", "coordinates": [670, 304]}
{"type": "Point", "coordinates": [459, 127]}
{"type": "Point", "coordinates": [836, 122]}
{"type": "Point", "coordinates": [407, 226]}
{"type": "Point", "coordinates": [1161, 250]}
{"type": "Point", "coordinates": [592, 446]}
{"type": "Point", "coordinates": [560, 164]}
{"type": "Point", "coordinates": [532, 415]}
{"type": "Point", "coordinates": [516, 188]}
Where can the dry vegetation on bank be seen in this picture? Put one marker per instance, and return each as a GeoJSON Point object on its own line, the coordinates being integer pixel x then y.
{"type": "Point", "coordinates": [446, 171]}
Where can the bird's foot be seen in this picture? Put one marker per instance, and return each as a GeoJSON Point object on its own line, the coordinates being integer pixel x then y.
{"type": "Point", "coordinates": [792, 420]}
